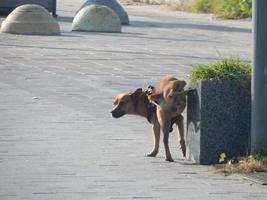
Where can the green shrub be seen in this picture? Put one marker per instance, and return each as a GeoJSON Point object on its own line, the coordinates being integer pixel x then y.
{"type": "Point", "coordinates": [228, 9]}
{"type": "Point", "coordinates": [224, 69]}
{"type": "Point", "coordinates": [205, 6]}
{"type": "Point", "coordinates": [245, 8]}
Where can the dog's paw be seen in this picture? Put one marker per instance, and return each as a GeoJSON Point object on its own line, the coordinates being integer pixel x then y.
{"type": "Point", "coordinates": [169, 159]}
{"type": "Point", "coordinates": [152, 154]}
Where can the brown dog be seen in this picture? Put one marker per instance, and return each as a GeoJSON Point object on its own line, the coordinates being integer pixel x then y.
{"type": "Point", "coordinates": [169, 101]}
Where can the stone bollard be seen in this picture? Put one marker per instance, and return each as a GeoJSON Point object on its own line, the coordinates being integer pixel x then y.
{"type": "Point", "coordinates": [112, 4]}
{"type": "Point", "coordinates": [96, 18]}
{"type": "Point", "coordinates": [30, 19]}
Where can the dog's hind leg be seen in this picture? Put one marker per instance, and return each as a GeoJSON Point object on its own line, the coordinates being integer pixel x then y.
{"type": "Point", "coordinates": [156, 137]}
{"type": "Point", "coordinates": [164, 121]}
{"type": "Point", "coordinates": [180, 129]}
{"type": "Point", "coordinates": [166, 129]}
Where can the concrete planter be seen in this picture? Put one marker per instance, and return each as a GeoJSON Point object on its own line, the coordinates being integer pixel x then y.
{"type": "Point", "coordinates": [218, 120]}
{"type": "Point", "coordinates": [7, 6]}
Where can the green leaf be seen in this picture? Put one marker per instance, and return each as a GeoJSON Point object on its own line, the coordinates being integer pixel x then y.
{"type": "Point", "coordinates": [222, 158]}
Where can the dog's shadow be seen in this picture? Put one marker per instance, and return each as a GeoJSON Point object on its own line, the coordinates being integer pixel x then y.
{"type": "Point", "coordinates": [181, 161]}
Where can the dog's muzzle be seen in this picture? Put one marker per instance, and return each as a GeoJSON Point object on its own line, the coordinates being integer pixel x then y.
{"type": "Point", "coordinates": [117, 114]}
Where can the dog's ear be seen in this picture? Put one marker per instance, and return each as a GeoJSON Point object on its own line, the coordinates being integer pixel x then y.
{"type": "Point", "coordinates": [138, 91]}
{"type": "Point", "coordinates": [116, 101]}
{"type": "Point", "coordinates": [136, 94]}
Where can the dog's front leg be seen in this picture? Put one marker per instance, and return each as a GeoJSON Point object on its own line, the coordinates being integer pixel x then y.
{"type": "Point", "coordinates": [156, 137]}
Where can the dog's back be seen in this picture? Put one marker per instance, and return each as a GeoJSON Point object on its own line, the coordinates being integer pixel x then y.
{"type": "Point", "coordinates": [167, 96]}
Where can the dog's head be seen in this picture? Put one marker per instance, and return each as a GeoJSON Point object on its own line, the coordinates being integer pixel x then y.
{"type": "Point", "coordinates": [126, 103]}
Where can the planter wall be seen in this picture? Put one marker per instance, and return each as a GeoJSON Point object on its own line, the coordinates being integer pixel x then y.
{"type": "Point", "coordinates": [218, 120]}
{"type": "Point", "coordinates": [7, 6]}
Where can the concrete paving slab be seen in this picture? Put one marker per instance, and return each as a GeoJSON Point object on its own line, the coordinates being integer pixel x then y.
{"type": "Point", "coordinates": [260, 177]}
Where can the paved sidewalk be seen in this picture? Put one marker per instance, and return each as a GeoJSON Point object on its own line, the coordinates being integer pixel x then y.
{"type": "Point", "coordinates": [57, 139]}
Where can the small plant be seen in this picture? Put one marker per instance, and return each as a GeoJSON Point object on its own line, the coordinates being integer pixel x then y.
{"type": "Point", "coordinates": [224, 69]}
{"type": "Point", "coordinates": [244, 165]}
{"type": "Point", "coordinates": [223, 158]}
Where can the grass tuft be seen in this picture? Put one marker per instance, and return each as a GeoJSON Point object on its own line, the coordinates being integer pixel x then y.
{"type": "Point", "coordinates": [224, 69]}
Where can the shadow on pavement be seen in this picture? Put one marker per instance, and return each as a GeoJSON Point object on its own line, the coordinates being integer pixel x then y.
{"type": "Point", "coordinates": [147, 24]}
{"type": "Point", "coordinates": [115, 51]}
{"type": "Point", "coordinates": [64, 19]}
